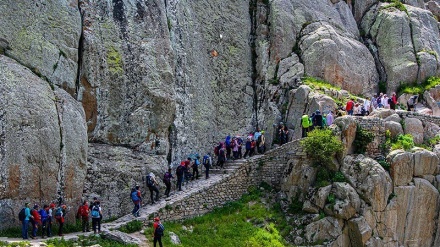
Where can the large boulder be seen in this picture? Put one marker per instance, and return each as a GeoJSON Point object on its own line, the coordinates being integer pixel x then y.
{"type": "Point", "coordinates": [406, 42]}
{"type": "Point", "coordinates": [359, 231]}
{"type": "Point", "coordinates": [347, 202]}
{"type": "Point", "coordinates": [333, 56]}
{"type": "Point", "coordinates": [431, 130]}
{"type": "Point", "coordinates": [328, 228]}
{"type": "Point", "coordinates": [43, 36]}
{"type": "Point", "coordinates": [394, 117]}
{"type": "Point", "coordinates": [44, 143]}
{"type": "Point", "coordinates": [382, 113]}
{"type": "Point", "coordinates": [301, 177]}
{"type": "Point", "coordinates": [414, 127]}
{"type": "Point", "coordinates": [370, 180]}
{"type": "Point", "coordinates": [432, 103]}
{"type": "Point", "coordinates": [434, 7]}
{"type": "Point", "coordinates": [348, 126]}
{"type": "Point", "coordinates": [394, 128]}
{"type": "Point", "coordinates": [290, 71]}
{"type": "Point", "coordinates": [402, 167]}
{"type": "Point", "coordinates": [425, 162]}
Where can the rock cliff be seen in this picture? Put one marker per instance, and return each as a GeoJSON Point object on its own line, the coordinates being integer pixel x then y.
{"type": "Point", "coordinates": [162, 79]}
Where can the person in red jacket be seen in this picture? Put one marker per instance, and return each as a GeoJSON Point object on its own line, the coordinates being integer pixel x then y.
{"type": "Point", "coordinates": [393, 102]}
{"type": "Point", "coordinates": [36, 222]}
{"type": "Point", "coordinates": [349, 107]}
{"type": "Point", "coordinates": [157, 231]}
{"type": "Point", "coordinates": [83, 214]}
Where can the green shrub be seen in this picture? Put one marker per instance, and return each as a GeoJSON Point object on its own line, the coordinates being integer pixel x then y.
{"type": "Point", "coordinates": [339, 177]}
{"type": "Point", "coordinates": [331, 199]}
{"type": "Point", "coordinates": [419, 89]}
{"type": "Point", "coordinates": [405, 142]}
{"type": "Point", "coordinates": [384, 164]}
{"type": "Point", "coordinates": [323, 177]}
{"type": "Point", "coordinates": [132, 226]}
{"type": "Point", "coordinates": [321, 145]}
{"type": "Point", "coordinates": [85, 241]}
{"type": "Point", "coordinates": [362, 139]}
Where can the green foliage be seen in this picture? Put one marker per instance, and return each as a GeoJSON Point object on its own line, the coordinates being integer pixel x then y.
{"type": "Point", "coordinates": [132, 226]}
{"type": "Point", "coordinates": [85, 241]}
{"type": "Point", "coordinates": [19, 244]}
{"type": "Point", "coordinates": [247, 222]}
{"type": "Point", "coordinates": [339, 177]}
{"type": "Point", "coordinates": [295, 207]}
{"type": "Point", "coordinates": [384, 164]}
{"type": "Point", "coordinates": [405, 142]}
{"type": "Point", "coordinates": [318, 84]}
{"type": "Point", "coordinates": [395, 4]}
{"type": "Point", "coordinates": [15, 232]}
{"type": "Point", "coordinates": [321, 145]}
{"type": "Point", "coordinates": [419, 89]}
{"type": "Point", "coordinates": [274, 81]}
{"type": "Point", "coordinates": [382, 86]}
{"type": "Point", "coordinates": [362, 139]}
{"type": "Point", "coordinates": [331, 199]}
{"type": "Point", "coordinates": [111, 219]}
{"type": "Point", "coordinates": [323, 177]}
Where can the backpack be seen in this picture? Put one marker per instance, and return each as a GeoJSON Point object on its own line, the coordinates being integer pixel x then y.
{"type": "Point", "coordinates": [22, 214]}
{"type": "Point", "coordinates": [305, 122]}
{"type": "Point", "coordinates": [389, 101]}
{"type": "Point", "coordinates": [259, 140]}
{"type": "Point", "coordinates": [149, 181]}
{"type": "Point", "coordinates": [206, 160]}
{"type": "Point", "coordinates": [166, 177]}
{"type": "Point", "coordinates": [221, 152]}
{"type": "Point", "coordinates": [216, 150]}
{"type": "Point", "coordinates": [379, 100]}
{"type": "Point", "coordinates": [179, 171]}
{"type": "Point", "coordinates": [58, 213]}
{"type": "Point", "coordinates": [159, 230]}
{"type": "Point", "coordinates": [95, 212]}
{"type": "Point", "coordinates": [197, 162]}
{"type": "Point", "coordinates": [134, 196]}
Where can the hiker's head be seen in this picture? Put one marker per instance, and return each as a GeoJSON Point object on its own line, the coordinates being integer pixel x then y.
{"type": "Point", "coordinates": [169, 169]}
{"type": "Point", "coordinates": [36, 206]}
{"type": "Point", "coordinates": [95, 198]}
{"type": "Point", "coordinates": [262, 132]}
{"type": "Point", "coordinates": [27, 204]}
{"type": "Point", "coordinates": [156, 219]}
{"type": "Point", "coordinates": [182, 163]}
{"type": "Point", "coordinates": [63, 206]}
{"type": "Point", "coordinates": [52, 205]}
{"type": "Point", "coordinates": [85, 202]}
{"type": "Point", "coordinates": [137, 187]}
{"type": "Point", "coordinates": [45, 207]}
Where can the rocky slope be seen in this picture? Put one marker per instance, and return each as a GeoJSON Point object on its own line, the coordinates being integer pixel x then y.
{"type": "Point", "coordinates": [130, 74]}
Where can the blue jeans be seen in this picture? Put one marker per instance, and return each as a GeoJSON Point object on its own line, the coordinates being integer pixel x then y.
{"type": "Point", "coordinates": [136, 208]}
{"type": "Point", "coordinates": [24, 229]}
{"type": "Point", "coordinates": [34, 229]}
{"type": "Point", "coordinates": [179, 182]}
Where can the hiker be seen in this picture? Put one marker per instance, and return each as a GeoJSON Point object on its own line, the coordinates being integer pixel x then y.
{"type": "Point", "coordinates": [367, 106]}
{"type": "Point", "coordinates": [59, 216]}
{"type": "Point", "coordinates": [50, 217]}
{"type": "Point", "coordinates": [317, 120]}
{"type": "Point", "coordinates": [349, 107]}
{"type": "Point", "coordinates": [379, 101]}
{"type": "Point", "coordinates": [25, 216]}
{"type": "Point", "coordinates": [240, 144]}
{"type": "Point", "coordinates": [136, 197]}
{"type": "Point", "coordinates": [207, 161]}
{"type": "Point", "coordinates": [83, 214]}
{"type": "Point", "coordinates": [44, 216]}
{"type": "Point", "coordinates": [180, 170]}
{"type": "Point", "coordinates": [221, 157]}
{"type": "Point", "coordinates": [411, 103]}
{"type": "Point", "coordinates": [151, 184]}
{"type": "Point", "coordinates": [187, 174]}
{"type": "Point", "coordinates": [329, 118]}
{"type": "Point", "coordinates": [228, 145]}
{"type": "Point", "coordinates": [248, 147]}
{"type": "Point", "coordinates": [282, 133]}
{"type": "Point", "coordinates": [36, 221]}
{"type": "Point", "coordinates": [305, 124]}
{"type": "Point", "coordinates": [253, 146]}
{"type": "Point", "coordinates": [158, 230]}
{"type": "Point", "coordinates": [261, 143]}
{"type": "Point", "coordinates": [374, 102]}
{"type": "Point", "coordinates": [96, 216]}
{"type": "Point", "coordinates": [386, 101]}
{"type": "Point", "coordinates": [195, 168]}
{"type": "Point", "coordinates": [235, 148]}
{"type": "Point", "coordinates": [167, 181]}
{"type": "Point", "coordinates": [257, 135]}
{"type": "Point", "coordinates": [357, 109]}
{"type": "Point", "coordinates": [393, 101]}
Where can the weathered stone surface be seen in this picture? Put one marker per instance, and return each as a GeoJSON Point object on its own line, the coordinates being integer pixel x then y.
{"type": "Point", "coordinates": [44, 142]}
{"type": "Point", "coordinates": [414, 127]}
{"type": "Point", "coordinates": [402, 167]}
{"type": "Point", "coordinates": [112, 172]}
{"type": "Point", "coordinates": [382, 113]}
{"type": "Point", "coordinates": [43, 36]}
{"type": "Point", "coordinates": [310, 208]}
{"type": "Point", "coordinates": [417, 211]}
{"type": "Point", "coordinates": [431, 130]}
{"type": "Point", "coordinates": [290, 71]}
{"type": "Point", "coordinates": [434, 7]}
{"type": "Point", "coordinates": [425, 162]}
{"type": "Point", "coordinates": [325, 229]}
{"type": "Point", "coordinates": [300, 178]}
{"type": "Point", "coordinates": [320, 197]}
{"type": "Point", "coordinates": [394, 117]}
{"type": "Point", "coordinates": [415, 3]}
{"type": "Point", "coordinates": [348, 126]}
{"type": "Point", "coordinates": [347, 202]}
{"type": "Point", "coordinates": [371, 181]}
{"type": "Point", "coordinates": [398, 35]}
{"type": "Point", "coordinates": [174, 238]}
{"type": "Point", "coordinates": [121, 237]}
{"type": "Point", "coordinates": [359, 231]}
{"type": "Point", "coordinates": [395, 128]}
{"type": "Point", "coordinates": [318, 44]}
{"type": "Point", "coordinates": [387, 222]}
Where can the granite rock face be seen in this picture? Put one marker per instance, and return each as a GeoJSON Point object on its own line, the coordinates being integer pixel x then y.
{"type": "Point", "coordinates": [44, 37]}
{"type": "Point", "coordinates": [43, 142]}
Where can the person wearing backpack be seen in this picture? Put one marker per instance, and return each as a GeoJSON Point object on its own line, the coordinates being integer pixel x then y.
{"type": "Point", "coordinates": [195, 168]}
{"type": "Point", "coordinates": [50, 218]}
{"type": "Point", "coordinates": [167, 181]}
{"type": "Point", "coordinates": [96, 217]}
{"type": "Point", "coordinates": [180, 171]}
{"type": "Point", "coordinates": [44, 217]}
{"type": "Point", "coordinates": [59, 216]}
{"type": "Point", "coordinates": [151, 184]}
{"type": "Point", "coordinates": [24, 216]}
{"type": "Point", "coordinates": [262, 143]}
{"type": "Point", "coordinates": [221, 157]}
{"type": "Point", "coordinates": [158, 230]}
{"type": "Point", "coordinates": [36, 221]}
{"type": "Point", "coordinates": [83, 214]}
{"type": "Point", "coordinates": [136, 198]}
{"type": "Point", "coordinates": [207, 161]}
{"type": "Point", "coordinates": [305, 125]}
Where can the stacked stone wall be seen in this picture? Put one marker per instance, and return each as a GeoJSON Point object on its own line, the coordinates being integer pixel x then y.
{"type": "Point", "coordinates": [377, 127]}
{"type": "Point", "coordinates": [270, 168]}
{"type": "Point", "coordinates": [422, 117]}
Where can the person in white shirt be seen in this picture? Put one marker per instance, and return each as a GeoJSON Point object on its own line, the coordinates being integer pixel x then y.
{"type": "Point", "coordinates": [367, 106]}
{"type": "Point", "coordinates": [385, 103]}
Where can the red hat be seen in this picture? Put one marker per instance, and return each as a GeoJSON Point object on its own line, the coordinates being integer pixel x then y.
{"type": "Point", "coordinates": [156, 219]}
{"type": "Point", "coordinates": [182, 163]}
{"type": "Point", "coordinates": [52, 205]}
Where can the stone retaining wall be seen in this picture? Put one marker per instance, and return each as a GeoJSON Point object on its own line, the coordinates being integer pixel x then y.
{"type": "Point", "coordinates": [377, 127]}
{"type": "Point", "coordinates": [270, 168]}
{"type": "Point", "coordinates": [422, 117]}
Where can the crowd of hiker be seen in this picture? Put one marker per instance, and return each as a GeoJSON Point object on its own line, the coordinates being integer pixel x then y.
{"type": "Point", "coordinates": [42, 219]}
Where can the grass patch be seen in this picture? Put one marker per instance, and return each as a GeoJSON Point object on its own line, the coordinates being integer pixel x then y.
{"type": "Point", "coordinates": [132, 226]}
{"type": "Point", "coordinates": [405, 142]}
{"type": "Point", "coordinates": [246, 222]}
{"type": "Point", "coordinates": [86, 241]}
{"type": "Point", "coordinates": [419, 89]}
{"type": "Point", "coordinates": [318, 84]}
